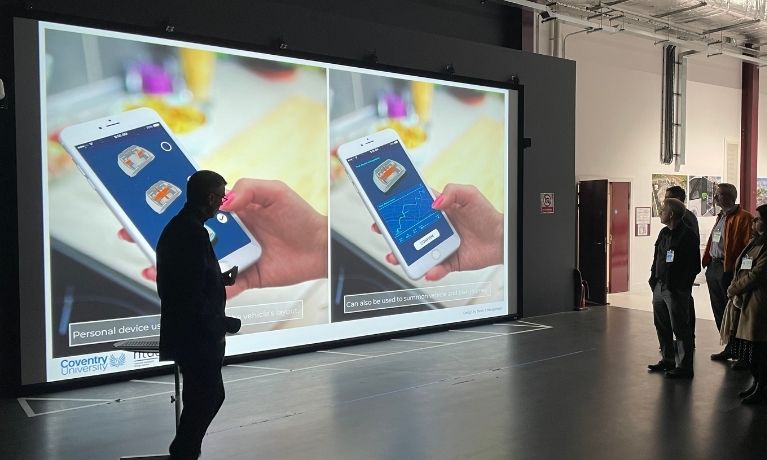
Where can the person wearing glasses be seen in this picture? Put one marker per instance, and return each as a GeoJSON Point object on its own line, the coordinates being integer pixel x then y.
{"type": "Point", "coordinates": [192, 299]}
{"type": "Point", "coordinates": [730, 235]}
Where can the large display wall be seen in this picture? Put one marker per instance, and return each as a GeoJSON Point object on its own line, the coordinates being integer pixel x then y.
{"type": "Point", "coordinates": [272, 126]}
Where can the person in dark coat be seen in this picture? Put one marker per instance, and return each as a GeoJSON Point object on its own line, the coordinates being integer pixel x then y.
{"type": "Point", "coordinates": [691, 221]}
{"type": "Point", "coordinates": [193, 323]}
{"type": "Point", "coordinates": [675, 264]}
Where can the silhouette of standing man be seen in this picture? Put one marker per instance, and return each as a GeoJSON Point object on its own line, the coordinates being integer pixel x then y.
{"type": "Point", "coordinates": [193, 323]}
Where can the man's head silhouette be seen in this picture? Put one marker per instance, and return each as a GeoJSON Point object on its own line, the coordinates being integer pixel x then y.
{"type": "Point", "coordinates": [205, 191]}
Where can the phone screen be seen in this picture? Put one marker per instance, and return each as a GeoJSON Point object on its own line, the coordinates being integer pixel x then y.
{"type": "Point", "coordinates": [401, 200]}
{"type": "Point", "coordinates": [146, 173]}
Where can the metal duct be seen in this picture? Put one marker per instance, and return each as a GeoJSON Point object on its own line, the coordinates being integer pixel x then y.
{"type": "Point", "coordinates": [668, 105]}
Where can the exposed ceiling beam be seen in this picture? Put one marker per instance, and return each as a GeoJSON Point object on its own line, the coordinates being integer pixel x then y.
{"type": "Point", "coordinates": [695, 45]}
{"type": "Point", "coordinates": [680, 10]}
{"type": "Point", "coordinates": [731, 26]}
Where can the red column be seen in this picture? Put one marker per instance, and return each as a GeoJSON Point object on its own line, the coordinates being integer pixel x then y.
{"type": "Point", "coordinates": [749, 117]}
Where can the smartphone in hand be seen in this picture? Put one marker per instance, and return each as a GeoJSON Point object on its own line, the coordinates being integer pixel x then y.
{"type": "Point", "coordinates": [399, 201]}
{"type": "Point", "coordinates": [140, 171]}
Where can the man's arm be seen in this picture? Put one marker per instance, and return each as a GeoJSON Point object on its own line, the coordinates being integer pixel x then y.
{"type": "Point", "coordinates": [692, 256]}
{"type": "Point", "coordinates": [653, 279]}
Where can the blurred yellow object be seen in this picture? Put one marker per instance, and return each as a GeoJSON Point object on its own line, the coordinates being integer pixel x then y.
{"type": "Point", "coordinates": [412, 136]}
{"type": "Point", "coordinates": [423, 95]}
{"type": "Point", "coordinates": [197, 66]}
{"type": "Point", "coordinates": [477, 157]}
{"type": "Point", "coordinates": [181, 119]}
{"type": "Point", "coordinates": [59, 161]}
{"type": "Point", "coordinates": [272, 148]}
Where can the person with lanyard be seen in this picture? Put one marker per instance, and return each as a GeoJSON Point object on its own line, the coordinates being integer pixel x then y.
{"type": "Point", "coordinates": [675, 264]}
{"type": "Point", "coordinates": [730, 235]}
{"type": "Point", "coordinates": [691, 221]}
{"type": "Point", "coordinates": [744, 325]}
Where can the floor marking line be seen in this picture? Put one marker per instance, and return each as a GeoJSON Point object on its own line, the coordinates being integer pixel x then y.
{"type": "Point", "coordinates": [341, 353]}
{"type": "Point", "coordinates": [480, 332]}
{"type": "Point", "coordinates": [258, 367]}
{"type": "Point", "coordinates": [70, 399]}
{"type": "Point", "coordinates": [153, 381]}
{"type": "Point", "coordinates": [534, 324]}
{"type": "Point", "coordinates": [513, 325]}
{"type": "Point", "coordinates": [27, 408]}
{"type": "Point", "coordinates": [73, 408]}
{"type": "Point", "coordinates": [417, 341]}
{"type": "Point", "coordinates": [484, 337]}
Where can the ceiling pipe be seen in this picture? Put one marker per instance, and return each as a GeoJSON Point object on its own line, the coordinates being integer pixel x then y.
{"type": "Point", "coordinates": [693, 45]}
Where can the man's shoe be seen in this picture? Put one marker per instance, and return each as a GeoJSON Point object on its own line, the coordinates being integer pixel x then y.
{"type": "Point", "coordinates": [723, 355]}
{"type": "Point", "coordinates": [662, 366]}
{"type": "Point", "coordinates": [739, 365]}
{"type": "Point", "coordinates": [680, 373]}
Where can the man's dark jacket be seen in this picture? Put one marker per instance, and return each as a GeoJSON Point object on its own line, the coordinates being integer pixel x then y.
{"type": "Point", "coordinates": [679, 274]}
{"type": "Point", "coordinates": [191, 289]}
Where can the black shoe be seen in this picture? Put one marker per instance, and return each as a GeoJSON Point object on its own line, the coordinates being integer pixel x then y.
{"type": "Point", "coordinates": [723, 355]}
{"type": "Point", "coordinates": [680, 373]}
{"type": "Point", "coordinates": [662, 366]}
{"type": "Point", "coordinates": [748, 391]}
{"type": "Point", "coordinates": [739, 365]}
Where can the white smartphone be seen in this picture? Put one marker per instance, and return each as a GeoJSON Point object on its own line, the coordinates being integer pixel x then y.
{"type": "Point", "coordinates": [399, 201]}
{"type": "Point", "coordinates": [140, 171]}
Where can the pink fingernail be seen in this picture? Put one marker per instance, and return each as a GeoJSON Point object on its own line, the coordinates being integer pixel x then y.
{"type": "Point", "coordinates": [437, 202]}
{"type": "Point", "coordinates": [228, 198]}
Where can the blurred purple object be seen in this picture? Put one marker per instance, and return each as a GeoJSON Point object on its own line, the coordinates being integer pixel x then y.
{"type": "Point", "coordinates": [155, 79]}
{"type": "Point", "coordinates": [395, 106]}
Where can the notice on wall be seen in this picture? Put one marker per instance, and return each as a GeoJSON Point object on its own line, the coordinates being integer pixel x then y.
{"type": "Point", "coordinates": [547, 203]}
{"type": "Point", "coordinates": [642, 217]}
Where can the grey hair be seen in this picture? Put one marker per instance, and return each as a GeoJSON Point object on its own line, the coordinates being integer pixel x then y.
{"type": "Point", "coordinates": [675, 206]}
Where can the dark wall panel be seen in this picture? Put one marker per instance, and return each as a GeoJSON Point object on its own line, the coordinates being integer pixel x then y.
{"type": "Point", "coordinates": [475, 37]}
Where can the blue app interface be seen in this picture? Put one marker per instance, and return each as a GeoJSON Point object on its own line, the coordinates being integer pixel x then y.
{"type": "Point", "coordinates": [401, 200]}
{"type": "Point", "coordinates": [146, 173]}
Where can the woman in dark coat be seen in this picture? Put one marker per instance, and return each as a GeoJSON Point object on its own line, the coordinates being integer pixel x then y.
{"type": "Point", "coordinates": [745, 319]}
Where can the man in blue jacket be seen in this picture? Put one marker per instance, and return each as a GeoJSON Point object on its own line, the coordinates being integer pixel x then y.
{"type": "Point", "coordinates": [675, 264]}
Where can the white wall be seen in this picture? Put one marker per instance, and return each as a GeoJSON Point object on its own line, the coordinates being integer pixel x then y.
{"type": "Point", "coordinates": [618, 96]}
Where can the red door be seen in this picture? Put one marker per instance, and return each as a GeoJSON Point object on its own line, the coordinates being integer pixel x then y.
{"type": "Point", "coordinates": [620, 195]}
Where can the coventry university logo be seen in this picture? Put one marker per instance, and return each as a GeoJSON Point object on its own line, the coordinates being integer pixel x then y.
{"type": "Point", "coordinates": [117, 360]}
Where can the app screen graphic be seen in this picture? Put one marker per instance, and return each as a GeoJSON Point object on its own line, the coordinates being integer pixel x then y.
{"type": "Point", "coordinates": [401, 200]}
{"type": "Point", "coordinates": [149, 183]}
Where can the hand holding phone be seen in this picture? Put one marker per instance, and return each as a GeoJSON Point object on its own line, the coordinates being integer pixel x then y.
{"type": "Point", "coordinates": [480, 226]}
{"type": "Point", "coordinates": [293, 234]}
{"type": "Point", "coordinates": [399, 201]}
{"type": "Point", "coordinates": [140, 171]}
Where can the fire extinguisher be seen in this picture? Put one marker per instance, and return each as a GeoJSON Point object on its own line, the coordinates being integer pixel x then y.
{"type": "Point", "coordinates": [581, 291]}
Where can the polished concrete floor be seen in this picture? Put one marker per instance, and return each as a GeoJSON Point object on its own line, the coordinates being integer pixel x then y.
{"type": "Point", "coordinates": [566, 386]}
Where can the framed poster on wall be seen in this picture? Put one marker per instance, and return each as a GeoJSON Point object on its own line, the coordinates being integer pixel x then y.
{"type": "Point", "coordinates": [642, 216]}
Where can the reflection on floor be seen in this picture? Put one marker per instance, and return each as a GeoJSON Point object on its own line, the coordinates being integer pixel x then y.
{"type": "Point", "coordinates": [641, 299]}
{"type": "Point", "coordinates": [572, 385]}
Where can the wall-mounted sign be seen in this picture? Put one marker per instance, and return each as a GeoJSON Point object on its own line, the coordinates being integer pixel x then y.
{"type": "Point", "coordinates": [642, 217]}
{"type": "Point", "coordinates": [547, 203]}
